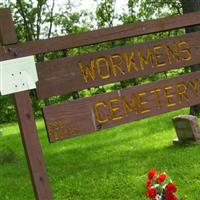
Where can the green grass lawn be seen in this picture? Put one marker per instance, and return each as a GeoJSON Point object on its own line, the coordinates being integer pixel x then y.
{"type": "Point", "coordinates": [111, 164]}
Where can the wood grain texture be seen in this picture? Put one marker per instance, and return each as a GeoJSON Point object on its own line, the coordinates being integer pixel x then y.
{"type": "Point", "coordinates": [62, 76]}
{"type": "Point", "coordinates": [7, 30]}
{"type": "Point", "coordinates": [98, 36]}
{"type": "Point", "coordinates": [28, 129]}
{"type": "Point", "coordinates": [32, 146]}
{"type": "Point", "coordinates": [107, 110]}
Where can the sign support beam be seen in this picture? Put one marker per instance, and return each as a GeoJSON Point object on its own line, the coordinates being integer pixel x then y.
{"type": "Point", "coordinates": [27, 125]}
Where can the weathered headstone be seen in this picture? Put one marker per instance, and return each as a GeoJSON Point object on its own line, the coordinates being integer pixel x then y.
{"type": "Point", "coordinates": [187, 129]}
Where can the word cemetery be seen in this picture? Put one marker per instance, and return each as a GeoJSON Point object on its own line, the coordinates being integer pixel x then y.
{"type": "Point", "coordinates": [20, 74]}
{"type": "Point", "coordinates": [125, 105]}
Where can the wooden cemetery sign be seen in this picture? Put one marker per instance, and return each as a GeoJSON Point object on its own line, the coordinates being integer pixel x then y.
{"type": "Point", "coordinates": [107, 110]}
{"type": "Point", "coordinates": [65, 75]}
{"type": "Point", "coordinates": [116, 64]}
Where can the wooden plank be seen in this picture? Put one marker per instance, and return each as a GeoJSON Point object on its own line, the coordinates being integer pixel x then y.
{"type": "Point", "coordinates": [107, 110]}
{"type": "Point", "coordinates": [101, 35]}
{"type": "Point", "coordinates": [27, 124]}
{"type": "Point", "coordinates": [122, 63]}
{"type": "Point", "coordinates": [7, 32]}
{"type": "Point", "coordinates": [32, 146]}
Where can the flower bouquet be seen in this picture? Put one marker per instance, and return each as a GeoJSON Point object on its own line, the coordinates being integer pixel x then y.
{"type": "Point", "coordinates": [160, 187]}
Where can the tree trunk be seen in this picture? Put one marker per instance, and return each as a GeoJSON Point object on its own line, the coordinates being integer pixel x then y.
{"type": "Point", "coordinates": [192, 6]}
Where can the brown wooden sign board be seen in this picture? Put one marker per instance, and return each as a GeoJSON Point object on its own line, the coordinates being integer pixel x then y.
{"type": "Point", "coordinates": [96, 36]}
{"type": "Point", "coordinates": [126, 105]}
{"type": "Point", "coordinates": [116, 64]}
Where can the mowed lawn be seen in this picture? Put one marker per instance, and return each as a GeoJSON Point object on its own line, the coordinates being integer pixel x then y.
{"type": "Point", "coordinates": [110, 164]}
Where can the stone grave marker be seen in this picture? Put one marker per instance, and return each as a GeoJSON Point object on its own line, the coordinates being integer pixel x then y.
{"type": "Point", "coordinates": [187, 129]}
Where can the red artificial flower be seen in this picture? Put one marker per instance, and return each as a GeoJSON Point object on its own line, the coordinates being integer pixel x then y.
{"type": "Point", "coordinates": [170, 196]}
{"type": "Point", "coordinates": [151, 173]}
{"type": "Point", "coordinates": [170, 188]}
{"type": "Point", "coordinates": [161, 178]}
{"type": "Point", "coordinates": [151, 192]}
{"type": "Point", "coordinates": [148, 183]}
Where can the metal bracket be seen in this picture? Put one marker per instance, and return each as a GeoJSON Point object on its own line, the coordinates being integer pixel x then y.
{"type": "Point", "coordinates": [18, 75]}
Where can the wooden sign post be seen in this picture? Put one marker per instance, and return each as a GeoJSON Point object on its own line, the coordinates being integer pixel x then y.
{"type": "Point", "coordinates": [61, 76]}
{"type": "Point", "coordinates": [26, 121]}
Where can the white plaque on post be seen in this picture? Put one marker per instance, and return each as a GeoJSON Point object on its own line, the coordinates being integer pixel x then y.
{"type": "Point", "coordinates": [18, 75]}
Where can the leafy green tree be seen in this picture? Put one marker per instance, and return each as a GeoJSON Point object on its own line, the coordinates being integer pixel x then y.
{"type": "Point", "coordinates": [105, 13]}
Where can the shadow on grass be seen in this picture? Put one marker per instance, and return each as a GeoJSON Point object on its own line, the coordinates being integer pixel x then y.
{"type": "Point", "coordinates": [121, 154]}
{"type": "Point", "coordinates": [114, 159]}
{"type": "Point", "coordinates": [93, 147]}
